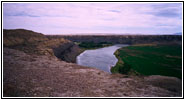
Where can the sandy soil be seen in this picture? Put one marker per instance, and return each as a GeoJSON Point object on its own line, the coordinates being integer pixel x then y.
{"type": "Point", "coordinates": [46, 76]}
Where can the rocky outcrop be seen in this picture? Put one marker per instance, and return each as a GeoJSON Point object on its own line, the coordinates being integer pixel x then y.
{"type": "Point", "coordinates": [36, 43]}
{"type": "Point", "coordinates": [33, 75]}
{"type": "Point", "coordinates": [67, 52]}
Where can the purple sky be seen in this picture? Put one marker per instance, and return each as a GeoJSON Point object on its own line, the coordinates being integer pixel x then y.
{"type": "Point", "coordinates": [78, 18]}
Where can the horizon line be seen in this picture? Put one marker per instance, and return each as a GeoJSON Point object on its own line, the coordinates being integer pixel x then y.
{"type": "Point", "coordinates": [97, 33]}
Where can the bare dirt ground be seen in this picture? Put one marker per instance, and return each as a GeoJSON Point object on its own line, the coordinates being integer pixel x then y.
{"type": "Point", "coordinates": [46, 76]}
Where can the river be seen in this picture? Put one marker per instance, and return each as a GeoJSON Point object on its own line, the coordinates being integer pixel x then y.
{"type": "Point", "coordinates": [102, 58]}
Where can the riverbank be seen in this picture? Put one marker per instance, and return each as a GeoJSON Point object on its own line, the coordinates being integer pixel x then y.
{"type": "Point", "coordinates": [122, 67]}
{"type": "Point", "coordinates": [150, 59]}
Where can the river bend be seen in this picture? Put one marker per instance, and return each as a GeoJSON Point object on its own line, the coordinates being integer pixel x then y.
{"type": "Point", "coordinates": [102, 58]}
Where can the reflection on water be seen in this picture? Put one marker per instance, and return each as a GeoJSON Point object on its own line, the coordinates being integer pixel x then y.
{"type": "Point", "coordinates": [102, 58]}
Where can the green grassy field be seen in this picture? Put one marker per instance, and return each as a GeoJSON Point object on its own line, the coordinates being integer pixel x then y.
{"type": "Point", "coordinates": [150, 60]}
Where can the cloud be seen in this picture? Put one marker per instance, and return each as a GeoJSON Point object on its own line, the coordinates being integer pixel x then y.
{"type": "Point", "coordinates": [167, 10]}
{"type": "Point", "coordinates": [116, 11]}
{"type": "Point", "coordinates": [59, 18]}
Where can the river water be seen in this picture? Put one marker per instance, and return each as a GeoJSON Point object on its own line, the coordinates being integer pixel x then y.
{"type": "Point", "coordinates": [102, 58]}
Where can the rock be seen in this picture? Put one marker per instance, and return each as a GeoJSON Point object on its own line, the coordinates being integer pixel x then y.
{"type": "Point", "coordinates": [36, 43]}
{"type": "Point", "coordinates": [169, 83]}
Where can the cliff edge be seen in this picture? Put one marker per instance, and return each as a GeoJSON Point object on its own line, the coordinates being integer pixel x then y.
{"type": "Point", "coordinates": [37, 43]}
{"type": "Point", "coordinates": [31, 69]}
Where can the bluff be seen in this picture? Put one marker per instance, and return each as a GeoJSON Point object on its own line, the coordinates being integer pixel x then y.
{"type": "Point", "coordinates": [37, 43]}
{"type": "Point", "coordinates": [31, 68]}
{"type": "Point", "coordinates": [121, 39]}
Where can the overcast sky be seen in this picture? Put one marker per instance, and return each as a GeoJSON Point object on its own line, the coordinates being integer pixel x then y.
{"type": "Point", "coordinates": [68, 18]}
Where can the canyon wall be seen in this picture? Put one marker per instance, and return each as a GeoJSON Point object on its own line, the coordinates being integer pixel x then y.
{"type": "Point", "coordinates": [122, 39]}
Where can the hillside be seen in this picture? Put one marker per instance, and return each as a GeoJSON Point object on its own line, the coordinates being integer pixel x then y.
{"type": "Point", "coordinates": [32, 68]}
{"type": "Point", "coordinates": [36, 43]}
{"type": "Point", "coordinates": [121, 39]}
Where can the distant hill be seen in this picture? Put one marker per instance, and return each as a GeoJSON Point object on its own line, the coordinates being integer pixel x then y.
{"type": "Point", "coordinates": [121, 39]}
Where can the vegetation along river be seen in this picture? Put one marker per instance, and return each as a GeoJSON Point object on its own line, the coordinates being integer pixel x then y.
{"type": "Point", "coordinates": [102, 58]}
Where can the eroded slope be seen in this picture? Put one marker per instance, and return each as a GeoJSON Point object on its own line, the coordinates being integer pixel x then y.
{"type": "Point", "coordinates": [32, 69]}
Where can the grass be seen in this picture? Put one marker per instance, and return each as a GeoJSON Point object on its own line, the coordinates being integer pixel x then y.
{"type": "Point", "coordinates": [150, 60]}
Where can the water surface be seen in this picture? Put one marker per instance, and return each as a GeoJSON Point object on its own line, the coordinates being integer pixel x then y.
{"type": "Point", "coordinates": [102, 58]}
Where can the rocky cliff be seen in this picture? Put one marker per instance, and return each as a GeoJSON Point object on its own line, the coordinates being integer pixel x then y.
{"type": "Point", "coordinates": [31, 69]}
{"type": "Point", "coordinates": [32, 42]}
{"type": "Point", "coordinates": [67, 52]}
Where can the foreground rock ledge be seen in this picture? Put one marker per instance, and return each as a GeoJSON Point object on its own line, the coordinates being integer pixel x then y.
{"type": "Point", "coordinates": [45, 76]}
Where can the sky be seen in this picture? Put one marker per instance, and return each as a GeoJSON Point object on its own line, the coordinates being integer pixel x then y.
{"type": "Point", "coordinates": [94, 18]}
